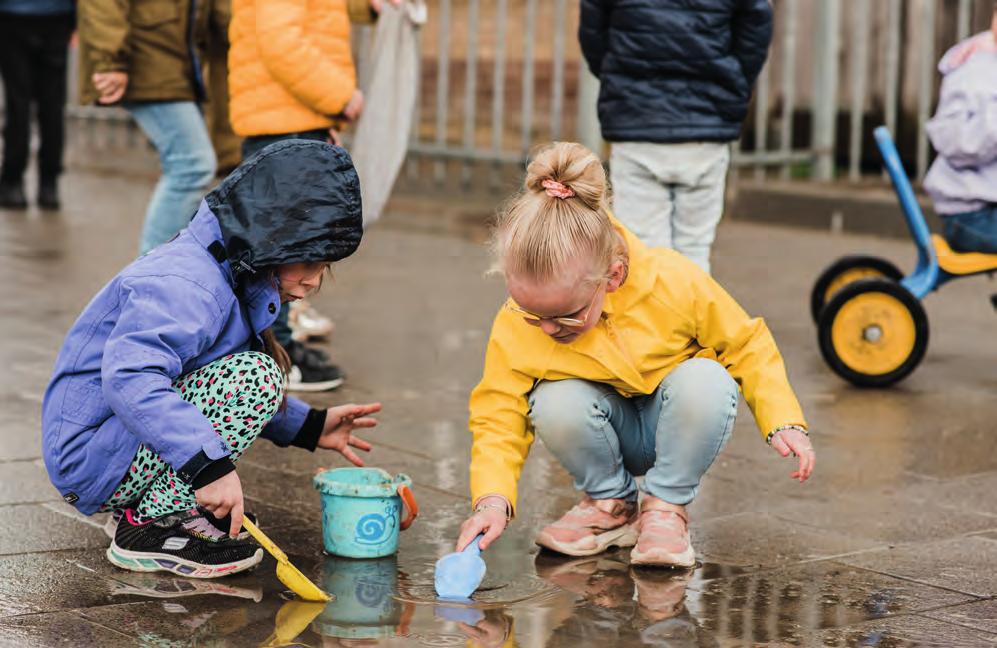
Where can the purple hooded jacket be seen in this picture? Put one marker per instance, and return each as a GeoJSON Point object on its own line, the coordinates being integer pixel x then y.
{"type": "Point", "coordinates": [963, 178]}
{"type": "Point", "coordinates": [206, 294]}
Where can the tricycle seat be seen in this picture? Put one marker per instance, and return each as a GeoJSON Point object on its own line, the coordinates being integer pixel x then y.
{"type": "Point", "coordinates": [961, 263]}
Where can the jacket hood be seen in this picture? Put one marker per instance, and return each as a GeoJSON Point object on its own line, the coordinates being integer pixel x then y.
{"type": "Point", "coordinates": [295, 201]}
{"type": "Point", "coordinates": [963, 51]}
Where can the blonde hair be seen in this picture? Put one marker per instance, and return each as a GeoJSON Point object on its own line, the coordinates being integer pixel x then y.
{"type": "Point", "coordinates": [538, 233]}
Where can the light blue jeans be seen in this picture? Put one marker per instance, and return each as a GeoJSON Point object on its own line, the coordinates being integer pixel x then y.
{"type": "Point", "coordinates": [187, 160]}
{"type": "Point", "coordinates": [671, 436]}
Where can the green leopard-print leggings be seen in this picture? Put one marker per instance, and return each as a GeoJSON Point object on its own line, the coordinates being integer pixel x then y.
{"type": "Point", "coordinates": [239, 394]}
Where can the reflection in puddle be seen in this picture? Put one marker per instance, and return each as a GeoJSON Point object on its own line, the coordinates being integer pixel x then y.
{"type": "Point", "coordinates": [551, 601]}
{"type": "Point", "coordinates": [365, 604]}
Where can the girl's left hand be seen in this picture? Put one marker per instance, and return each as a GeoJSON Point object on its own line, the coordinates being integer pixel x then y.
{"type": "Point", "coordinates": [793, 441]}
{"type": "Point", "coordinates": [339, 425]}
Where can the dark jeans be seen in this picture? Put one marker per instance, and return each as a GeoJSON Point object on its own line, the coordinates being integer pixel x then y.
{"type": "Point", "coordinates": [33, 53]}
{"type": "Point", "coordinates": [974, 231]}
{"type": "Point", "coordinates": [250, 147]}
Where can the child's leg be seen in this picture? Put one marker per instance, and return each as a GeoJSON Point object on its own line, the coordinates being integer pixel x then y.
{"type": "Point", "coordinates": [239, 394]}
{"type": "Point", "coordinates": [972, 231]}
{"type": "Point", "coordinates": [691, 416]}
{"type": "Point", "coordinates": [595, 433]}
{"type": "Point", "coordinates": [699, 199]}
{"type": "Point", "coordinates": [641, 200]}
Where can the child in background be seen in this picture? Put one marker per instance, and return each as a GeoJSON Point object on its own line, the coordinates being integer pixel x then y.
{"type": "Point", "coordinates": [624, 360]}
{"type": "Point", "coordinates": [962, 182]}
{"type": "Point", "coordinates": [171, 372]}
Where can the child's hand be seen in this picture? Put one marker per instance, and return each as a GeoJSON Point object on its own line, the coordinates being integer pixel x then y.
{"type": "Point", "coordinates": [222, 497]}
{"type": "Point", "coordinates": [338, 431]}
{"type": "Point", "coordinates": [354, 106]}
{"type": "Point", "coordinates": [490, 520]}
{"type": "Point", "coordinates": [793, 441]}
{"type": "Point", "coordinates": [110, 85]}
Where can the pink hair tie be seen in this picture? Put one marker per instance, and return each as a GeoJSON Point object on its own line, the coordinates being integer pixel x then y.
{"type": "Point", "coordinates": [557, 190]}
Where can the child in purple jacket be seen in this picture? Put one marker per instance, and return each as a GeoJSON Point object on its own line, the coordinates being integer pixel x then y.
{"type": "Point", "coordinates": [171, 372]}
{"type": "Point", "coordinates": [962, 181]}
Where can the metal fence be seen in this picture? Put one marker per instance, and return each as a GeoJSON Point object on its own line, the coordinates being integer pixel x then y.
{"type": "Point", "coordinates": [498, 77]}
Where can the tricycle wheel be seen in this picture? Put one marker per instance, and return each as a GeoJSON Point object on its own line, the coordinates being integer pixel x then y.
{"type": "Point", "coordinates": [873, 333]}
{"type": "Point", "coordinates": [844, 271]}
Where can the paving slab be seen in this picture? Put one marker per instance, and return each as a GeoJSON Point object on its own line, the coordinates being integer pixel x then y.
{"type": "Point", "coordinates": [963, 564]}
{"type": "Point", "coordinates": [766, 540]}
{"type": "Point", "coordinates": [26, 482]}
{"type": "Point", "coordinates": [28, 528]}
{"type": "Point", "coordinates": [60, 629]}
{"type": "Point", "coordinates": [981, 615]}
{"type": "Point", "coordinates": [906, 631]}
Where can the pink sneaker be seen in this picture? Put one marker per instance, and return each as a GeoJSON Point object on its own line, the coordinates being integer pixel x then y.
{"type": "Point", "coordinates": [663, 538]}
{"type": "Point", "coordinates": [591, 527]}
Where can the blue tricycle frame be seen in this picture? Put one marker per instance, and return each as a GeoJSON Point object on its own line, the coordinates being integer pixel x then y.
{"type": "Point", "coordinates": [871, 326]}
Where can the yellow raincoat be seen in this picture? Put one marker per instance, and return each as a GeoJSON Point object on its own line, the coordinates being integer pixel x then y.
{"type": "Point", "coordinates": [667, 311]}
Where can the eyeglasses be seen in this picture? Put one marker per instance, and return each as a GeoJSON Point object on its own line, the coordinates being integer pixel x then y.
{"type": "Point", "coordinates": [570, 322]}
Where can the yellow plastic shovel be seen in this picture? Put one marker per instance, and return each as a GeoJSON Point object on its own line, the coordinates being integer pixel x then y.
{"type": "Point", "coordinates": [286, 572]}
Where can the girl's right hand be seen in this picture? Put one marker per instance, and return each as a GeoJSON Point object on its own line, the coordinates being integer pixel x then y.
{"type": "Point", "coordinates": [223, 497]}
{"type": "Point", "coordinates": [490, 520]}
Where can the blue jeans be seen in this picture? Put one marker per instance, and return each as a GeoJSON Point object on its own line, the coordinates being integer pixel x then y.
{"type": "Point", "coordinates": [187, 159]}
{"type": "Point", "coordinates": [671, 436]}
{"type": "Point", "coordinates": [974, 231]}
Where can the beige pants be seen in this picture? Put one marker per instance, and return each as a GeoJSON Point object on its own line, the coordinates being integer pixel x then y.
{"type": "Point", "coordinates": [671, 195]}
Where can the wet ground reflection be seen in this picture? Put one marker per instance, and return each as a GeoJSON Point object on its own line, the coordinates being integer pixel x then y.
{"type": "Point", "coordinates": [597, 601]}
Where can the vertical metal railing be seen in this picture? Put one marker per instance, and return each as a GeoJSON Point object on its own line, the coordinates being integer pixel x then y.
{"type": "Point", "coordinates": [442, 85]}
{"type": "Point", "coordinates": [859, 73]}
{"type": "Point", "coordinates": [925, 84]}
{"type": "Point", "coordinates": [788, 82]}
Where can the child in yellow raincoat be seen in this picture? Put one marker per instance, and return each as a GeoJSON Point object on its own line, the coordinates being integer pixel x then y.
{"type": "Point", "coordinates": [625, 361]}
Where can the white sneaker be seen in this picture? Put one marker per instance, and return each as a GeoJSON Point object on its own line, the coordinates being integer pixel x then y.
{"type": "Point", "coordinates": [307, 323]}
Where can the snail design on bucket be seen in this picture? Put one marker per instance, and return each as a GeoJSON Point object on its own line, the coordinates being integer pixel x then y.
{"type": "Point", "coordinates": [375, 528]}
{"type": "Point", "coordinates": [362, 511]}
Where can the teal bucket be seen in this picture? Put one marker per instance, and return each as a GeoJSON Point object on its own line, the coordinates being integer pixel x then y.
{"type": "Point", "coordinates": [362, 511]}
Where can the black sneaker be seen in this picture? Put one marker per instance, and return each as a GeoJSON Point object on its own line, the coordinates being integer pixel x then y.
{"type": "Point", "coordinates": [311, 370]}
{"type": "Point", "coordinates": [48, 194]}
{"type": "Point", "coordinates": [12, 196]}
{"type": "Point", "coordinates": [185, 543]}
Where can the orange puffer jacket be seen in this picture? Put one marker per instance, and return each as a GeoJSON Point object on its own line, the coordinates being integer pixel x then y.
{"type": "Point", "coordinates": [290, 65]}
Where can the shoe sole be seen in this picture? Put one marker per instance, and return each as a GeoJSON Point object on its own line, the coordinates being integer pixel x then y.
{"type": "Point", "coordinates": [327, 385]}
{"type": "Point", "coordinates": [684, 560]}
{"type": "Point", "coordinates": [151, 562]}
{"type": "Point", "coordinates": [622, 538]}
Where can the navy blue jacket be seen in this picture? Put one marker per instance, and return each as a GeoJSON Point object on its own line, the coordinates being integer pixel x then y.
{"type": "Point", "coordinates": [38, 7]}
{"type": "Point", "coordinates": [674, 70]}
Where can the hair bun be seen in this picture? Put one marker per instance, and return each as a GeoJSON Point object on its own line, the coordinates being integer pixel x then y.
{"type": "Point", "coordinates": [571, 166]}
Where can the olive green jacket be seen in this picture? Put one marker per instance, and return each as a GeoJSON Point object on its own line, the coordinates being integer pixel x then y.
{"type": "Point", "coordinates": [161, 44]}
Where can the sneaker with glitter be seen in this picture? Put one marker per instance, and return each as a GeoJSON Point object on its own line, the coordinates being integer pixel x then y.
{"type": "Point", "coordinates": [591, 527]}
{"type": "Point", "coordinates": [663, 536]}
{"type": "Point", "coordinates": [184, 543]}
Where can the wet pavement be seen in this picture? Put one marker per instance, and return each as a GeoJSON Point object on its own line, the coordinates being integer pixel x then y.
{"type": "Point", "coordinates": [892, 543]}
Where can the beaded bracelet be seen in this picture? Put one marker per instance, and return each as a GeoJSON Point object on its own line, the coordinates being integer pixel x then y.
{"type": "Point", "coordinates": [505, 508]}
{"type": "Point", "coordinates": [768, 437]}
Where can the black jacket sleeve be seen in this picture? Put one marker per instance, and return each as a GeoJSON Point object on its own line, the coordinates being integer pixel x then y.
{"type": "Point", "coordinates": [752, 32]}
{"type": "Point", "coordinates": [593, 32]}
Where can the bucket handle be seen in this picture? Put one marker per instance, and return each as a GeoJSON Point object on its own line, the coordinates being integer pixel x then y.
{"type": "Point", "coordinates": [411, 507]}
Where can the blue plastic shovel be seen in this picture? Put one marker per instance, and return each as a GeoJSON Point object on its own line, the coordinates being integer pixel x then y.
{"type": "Point", "coordinates": [459, 574]}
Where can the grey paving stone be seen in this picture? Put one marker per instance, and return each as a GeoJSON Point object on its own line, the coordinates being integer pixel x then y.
{"type": "Point", "coordinates": [760, 539]}
{"type": "Point", "coordinates": [903, 632]}
{"type": "Point", "coordinates": [32, 527]}
{"type": "Point", "coordinates": [963, 564]}
{"type": "Point", "coordinates": [790, 603]}
{"type": "Point", "coordinates": [60, 629]}
{"type": "Point", "coordinates": [878, 517]}
{"type": "Point", "coordinates": [981, 615]}
{"type": "Point", "coordinates": [25, 482]}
